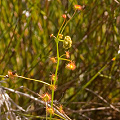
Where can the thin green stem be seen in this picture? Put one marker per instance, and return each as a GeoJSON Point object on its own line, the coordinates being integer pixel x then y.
{"type": "Point", "coordinates": [68, 22]}
{"type": "Point", "coordinates": [58, 59]}
{"type": "Point", "coordinates": [60, 28]}
{"type": "Point", "coordinates": [65, 59]}
{"type": "Point", "coordinates": [33, 80]}
{"type": "Point", "coordinates": [62, 55]}
{"type": "Point", "coordinates": [61, 40]}
{"type": "Point", "coordinates": [46, 110]}
{"type": "Point", "coordinates": [55, 73]}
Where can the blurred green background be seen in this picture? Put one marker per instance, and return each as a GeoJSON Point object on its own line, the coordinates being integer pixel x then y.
{"type": "Point", "coordinates": [26, 46]}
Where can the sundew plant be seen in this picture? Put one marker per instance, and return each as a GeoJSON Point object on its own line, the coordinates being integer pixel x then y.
{"type": "Point", "coordinates": [59, 59]}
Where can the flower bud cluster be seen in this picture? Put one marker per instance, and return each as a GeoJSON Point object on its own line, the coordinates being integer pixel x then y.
{"type": "Point", "coordinates": [67, 43]}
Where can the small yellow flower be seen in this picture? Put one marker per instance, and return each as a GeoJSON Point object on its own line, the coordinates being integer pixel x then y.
{"type": "Point", "coordinates": [53, 77]}
{"type": "Point", "coordinates": [71, 65]}
{"type": "Point", "coordinates": [60, 36]}
{"type": "Point", "coordinates": [114, 59]}
{"type": "Point", "coordinates": [46, 97]}
{"type": "Point", "coordinates": [78, 7]}
{"type": "Point", "coordinates": [53, 87]}
{"type": "Point", "coordinates": [50, 111]}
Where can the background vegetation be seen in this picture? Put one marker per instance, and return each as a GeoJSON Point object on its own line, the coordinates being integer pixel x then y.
{"type": "Point", "coordinates": [88, 92]}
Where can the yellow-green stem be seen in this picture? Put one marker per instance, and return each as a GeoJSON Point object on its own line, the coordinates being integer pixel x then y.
{"type": "Point", "coordinates": [60, 28]}
{"type": "Point", "coordinates": [61, 40]}
{"type": "Point", "coordinates": [46, 110]}
{"type": "Point", "coordinates": [58, 59]}
{"type": "Point", "coordinates": [33, 80]}
{"type": "Point", "coordinates": [68, 22]}
{"type": "Point", "coordinates": [65, 59]}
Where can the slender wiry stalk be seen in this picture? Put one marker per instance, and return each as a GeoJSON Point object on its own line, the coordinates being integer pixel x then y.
{"type": "Point", "coordinates": [46, 110]}
{"type": "Point", "coordinates": [34, 80]}
{"type": "Point", "coordinates": [67, 22]}
{"type": "Point", "coordinates": [58, 59]}
{"type": "Point", "coordinates": [65, 59]}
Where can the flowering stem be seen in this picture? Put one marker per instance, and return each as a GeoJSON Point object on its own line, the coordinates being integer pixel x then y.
{"type": "Point", "coordinates": [58, 59]}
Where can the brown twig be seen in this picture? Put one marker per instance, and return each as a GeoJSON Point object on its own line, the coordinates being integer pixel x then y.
{"type": "Point", "coordinates": [116, 1]}
{"type": "Point", "coordinates": [105, 101]}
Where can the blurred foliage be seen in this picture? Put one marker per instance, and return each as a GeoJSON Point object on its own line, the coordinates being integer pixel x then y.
{"type": "Point", "coordinates": [25, 46]}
